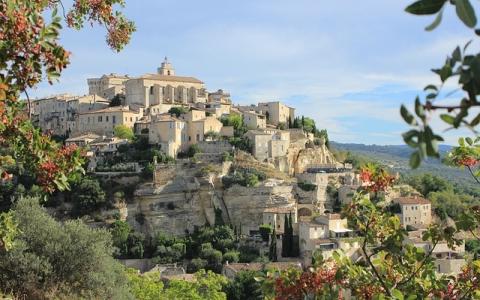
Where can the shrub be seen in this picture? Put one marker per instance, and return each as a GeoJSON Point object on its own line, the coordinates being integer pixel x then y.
{"type": "Point", "coordinates": [196, 264]}
{"type": "Point", "coordinates": [307, 186]}
{"type": "Point", "coordinates": [87, 196]}
{"type": "Point", "coordinates": [192, 150]}
{"type": "Point", "coordinates": [123, 132]}
{"type": "Point", "coordinates": [231, 257]}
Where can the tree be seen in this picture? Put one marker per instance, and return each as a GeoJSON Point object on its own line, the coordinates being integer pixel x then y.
{"type": "Point", "coordinates": [146, 286]}
{"type": "Point", "coordinates": [178, 110]}
{"type": "Point", "coordinates": [117, 100]}
{"type": "Point", "coordinates": [87, 196]}
{"type": "Point", "coordinates": [59, 260]}
{"type": "Point", "coordinates": [265, 231]}
{"type": "Point", "coordinates": [207, 285]}
{"type": "Point", "coordinates": [244, 286]}
{"type": "Point", "coordinates": [123, 132]}
{"type": "Point", "coordinates": [120, 231]}
{"type": "Point", "coordinates": [427, 183]}
{"type": "Point", "coordinates": [285, 239]}
{"type": "Point", "coordinates": [272, 251]}
{"type": "Point", "coordinates": [30, 52]}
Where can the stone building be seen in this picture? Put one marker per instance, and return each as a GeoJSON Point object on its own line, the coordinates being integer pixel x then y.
{"type": "Point", "coordinates": [254, 120]}
{"type": "Point", "coordinates": [268, 143]}
{"type": "Point", "coordinates": [219, 96]}
{"type": "Point", "coordinates": [198, 124]}
{"type": "Point", "coordinates": [58, 114]}
{"type": "Point", "coordinates": [414, 211]}
{"type": "Point", "coordinates": [104, 121]}
{"type": "Point", "coordinates": [164, 87]}
{"type": "Point", "coordinates": [107, 86]}
{"type": "Point", "coordinates": [277, 112]}
{"type": "Point", "coordinates": [168, 132]}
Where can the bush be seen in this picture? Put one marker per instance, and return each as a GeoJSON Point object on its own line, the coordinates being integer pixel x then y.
{"type": "Point", "coordinates": [177, 111]}
{"type": "Point", "coordinates": [307, 186]}
{"type": "Point", "coordinates": [192, 150]}
{"type": "Point", "coordinates": [87, 196]}
{"type": "Point", "coordinates": [244, 176]}
{"type": "Point", "coordinates": [123, 132]}
{"type": "Point", "coordinates": [248, 254]}
{"type": "Point", "coordinates": [231, 257]}
{"type": "Point", "coordinates": [244, 286]}
{"type": "Point", "coordinates": [227, 156]}
{"type": "Point", "coordinates": [196, 264]}
{"type": "Point", "coordinates": [52, 260]}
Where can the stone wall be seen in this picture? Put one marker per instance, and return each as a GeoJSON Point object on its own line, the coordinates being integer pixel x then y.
{"type": "Point", "coordinates": [218, 147]}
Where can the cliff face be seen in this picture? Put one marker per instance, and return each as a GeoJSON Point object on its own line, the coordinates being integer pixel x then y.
{"type": "Point", "coordinates": [299, 157]}
{"type": "Point", "coordinates": [246, 204]}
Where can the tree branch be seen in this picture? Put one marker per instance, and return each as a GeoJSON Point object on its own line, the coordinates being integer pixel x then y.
{"type": "Point", "coordinates": [473, 175]}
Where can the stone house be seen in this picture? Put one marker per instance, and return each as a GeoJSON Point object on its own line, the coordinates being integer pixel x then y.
{"type": "Point", "coordinates": [168, 132]}
{"type": "Point", "coordinates": [325, 233]}
{"type": "Point", "coordinates": [58, 114]}
{"type": "Point", "coordinates": [82, 140]}
{"type": "Point", "coordinates": [198, 124]}
{"type": "Point", "coordinates": [254, 120]}
{"type": "Point", "coordinates": [277, 112]}
{"type": "Point", "coordinates": [414, 211]}
{"type": "Point", "coordinates": [104, 121]}
{"type": "Point", "coordinates": [447, 260]}
{"type": "Point", "coordinates": [216, 109]}
{"type": "Point", "coordinates": [219, 96]}
{"type": "Point", "coordinates": [107, 86]}
{"type": "Point", "coordinates": [268, 143]}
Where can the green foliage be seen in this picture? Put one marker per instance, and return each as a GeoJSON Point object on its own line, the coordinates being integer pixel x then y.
{"type": "Point", "coordinates": [265, 231]}
{"type": "Point", "coordinates": [227, 156]}
{"type": "Point", "coordinates": [117, 100]}
{"type": "Point", "coordinates": [8, 231]}
{"type": "Point", "coordinates": [307, 186]}
{"type": "Point", "coordinates": [206, 285]}
{"type": "Point", "coordinates": [178, 110]}
{"type": "Point", "coordinates": [244, 286]}
{"type": "Point", "coordinates": [120, 231]}
{"type": "Point", "coordinates": [87, 196]}
{"type": "Point", "coordinates": [212, 135]}
{"type": "Point", "coordinates": [124, 132]}
{"type": "Point", "coordinates": [196, 265]}
{"type": "Point", "coordinates": [232, 120]}
{"type": "Point", "coordinates": [427, 183]}
{"type": "Point", "coordinates": [59, 260]}
{"type": "Point", "coordinates": [241, 143]}
{"type": "Point", "coordinates": [192, 150]}
{"type": "Point", "coordinates": [231, 257]}
{"type": "Point", "coordinates": [451, 203]}
{"type": "Point", "coordinates": [244, 177]}
{"type": "Point", "coordinates": [272, 250]}
{"type": "Point", "coordinates": [145, 287]}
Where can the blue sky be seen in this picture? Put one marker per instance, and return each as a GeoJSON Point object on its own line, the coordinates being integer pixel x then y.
{"type": "Point", "coordinates": [348, 64]}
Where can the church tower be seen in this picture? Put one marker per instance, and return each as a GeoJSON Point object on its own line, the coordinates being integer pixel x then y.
{"type": "Point", "coordinates": [166, 68]}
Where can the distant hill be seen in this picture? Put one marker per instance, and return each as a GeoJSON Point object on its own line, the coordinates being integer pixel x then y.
{"type": "Point", "coordinates": [397, 158]}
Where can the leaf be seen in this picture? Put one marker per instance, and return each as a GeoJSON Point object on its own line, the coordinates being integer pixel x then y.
{"type": "Point", "coordinates": [419, 108]}
{"type": "Point", "coordinates": [435, 22]}
{"type": "Point", "coordinates": [466, 13]}
{"type": "Point", "coordinates": [425, 7]}
{"type": "Point", "coordinates": [408, 138]}
{"type": "Point", "coordinates": [397, 294]}
{"type": "Point", "coordinates": [430, 87]}
{"type": "Point", "coordinates": [447, 118]}
{"type": "Point", "coordinates": [407, 116]}
{"type": "Point", "coordinates": [457, 54]}
{"type": "Point", "coordinates": [415, 160]}
{"type": "Point", "coordinates": [469, 141]}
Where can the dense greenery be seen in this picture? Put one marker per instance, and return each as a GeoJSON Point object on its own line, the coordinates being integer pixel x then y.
{"type": "Point", "coordinates": [123, 132]}
{"type": "Point", "coordinates": [207, 285]}
{"type": "Point", "coordinates": [87, 196]}
{"type": "Point", "coordinates": [178, 110]}
{"type": "Point", "coordinates": [244, 177]}
{"type": "Point", "coordinates": [59, 260]}
{"type": "Point", "coordinates": [244, 286]}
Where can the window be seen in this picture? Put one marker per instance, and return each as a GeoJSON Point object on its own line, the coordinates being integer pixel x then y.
{"type": "Point", "coordinates": [131, 119]}
{"type": "Point", "coordinates": [99, 118]}
{"type": "Point", "coordinates": [198, 137]}
{"type": "Point", "coordinates": [106, 119]}
{"type": "Point", "coordinates": [113, 120]}
{"type": "Point", "coordinates": [151, 90]}
{"type": "Point", "coordinates": [189, 138]}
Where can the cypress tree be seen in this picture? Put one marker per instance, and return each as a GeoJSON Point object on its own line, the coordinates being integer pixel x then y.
{"type": "Point", "coordinates": [272, 254]}
{"type": "Point", "coordinates": [285, 239]}
{"type": "Point", "coordinates": [290, 236]}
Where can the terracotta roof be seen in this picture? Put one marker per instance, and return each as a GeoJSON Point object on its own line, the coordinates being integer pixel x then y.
{"type": "Point", "coordinates": [110, 109]}
{"type": "Point", "coordinates": [171, 78]}
{"type": "Point", "coordinates": [411, 200]}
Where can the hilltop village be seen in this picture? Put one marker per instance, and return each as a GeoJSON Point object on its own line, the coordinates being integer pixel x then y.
{"type": "Point", "coordinates": [174, 157]}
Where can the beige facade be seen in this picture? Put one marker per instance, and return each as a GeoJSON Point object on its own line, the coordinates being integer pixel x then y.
{"type": "Point", "coordinates": [58, 114]}
{"type": "Point", "coordinates": [107, 86]}
{"type": "Point", "coordinates": [219, 96]}
{"type": "Point", "coordinates": [82, 140]}
{"type": "Point", "coordinates": [105, 120]}
{"type": "Point", "coordinates": [254, 120]}
{"type": "Point", "coordinates": [198, 124]}
{"type": "Point", "coordinates": [277, 112]}
{"type": "Point", "coordinates": [216, 109]}
{"type": "Point", "coordinates": [164, 87]}
{"type": "Point", "coordinates": [268, 143]}
{"type": "Point", "coordinates": [168, 132]}
{"type": "Point", "coordinates": [414, 211]}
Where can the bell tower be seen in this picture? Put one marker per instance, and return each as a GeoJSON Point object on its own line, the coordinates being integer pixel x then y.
{"type": "Point", "coordinates": [166, 68]}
